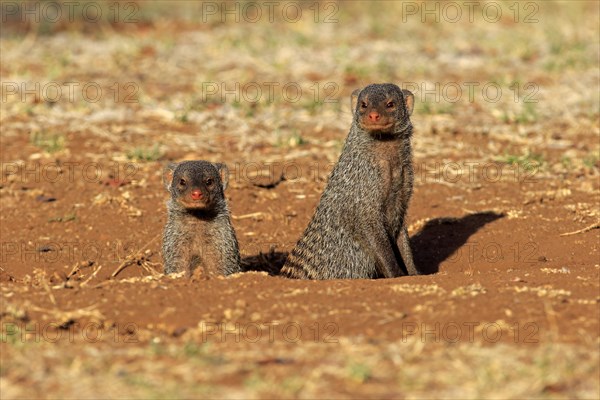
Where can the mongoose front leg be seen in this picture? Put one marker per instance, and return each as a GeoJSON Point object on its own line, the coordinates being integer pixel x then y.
{"type": "Point", "coordinates": [405, 251]}
{"type": "Point", "coordinates": [381, 247]}
{"type": "Point", "coordinates": [177, 264]}
{"type": "Point", "coordinates": [178, 259]}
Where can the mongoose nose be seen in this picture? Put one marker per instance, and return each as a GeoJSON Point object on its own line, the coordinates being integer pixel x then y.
{"type": "Point", "coordinates": [196, 194]}
{"type": "Point", "coordinates": [374, 116]}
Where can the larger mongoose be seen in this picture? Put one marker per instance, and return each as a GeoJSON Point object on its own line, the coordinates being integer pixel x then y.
{"type": "Point", "coordinates": [198, 232]}
{"type": "Point", "coordinates": [358, 230]}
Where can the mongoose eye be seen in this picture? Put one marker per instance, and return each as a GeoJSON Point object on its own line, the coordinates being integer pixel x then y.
{"type": "Point", "coordinates": [209, 182]}
{"type": "Point", "coordinates": [363, 105]}
{"type": "Point", "coordinates": [182, 182]}
{"type": "Point", "coordinates": [390, 104]}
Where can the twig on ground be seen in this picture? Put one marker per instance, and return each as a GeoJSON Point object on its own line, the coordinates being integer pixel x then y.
{"type": "Point", "coordinates": [130, 259]}
{"type": "Point", "coordinates": [251, 215]}
{"type": "Point", "coordinates": [47, 289]}
{"type": "Point", "coordinates": [91, 276]}
{"type": "Point", "coordinates": [589, 228]}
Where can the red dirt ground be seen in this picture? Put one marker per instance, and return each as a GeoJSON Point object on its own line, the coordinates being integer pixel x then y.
{"type": "Point", "coordinates": [504, 217]}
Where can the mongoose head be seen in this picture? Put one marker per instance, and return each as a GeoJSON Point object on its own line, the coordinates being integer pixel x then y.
{"type": "Point", "coordinates": [382, 108]}
{"type": "Point", "coordinates": [196, 185]}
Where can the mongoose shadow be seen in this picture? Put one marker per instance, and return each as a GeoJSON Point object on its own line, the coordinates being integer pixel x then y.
{"type": "Point", "coordinates": [441, 237]}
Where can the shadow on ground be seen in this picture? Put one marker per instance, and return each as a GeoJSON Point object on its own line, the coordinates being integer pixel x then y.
{"type": "Point", "coordinates": [270, 262]}
{"type": "Point", "coordinates": [441, 237]}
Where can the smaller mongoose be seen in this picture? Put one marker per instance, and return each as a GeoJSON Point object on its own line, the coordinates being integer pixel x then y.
{"type": "Point", "coordinates": [359, 229]}
{"type": "Point", "coordinates": [198, 233]}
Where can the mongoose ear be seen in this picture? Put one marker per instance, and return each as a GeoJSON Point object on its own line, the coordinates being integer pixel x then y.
{"type": "Point", "coordinates": [409, 99]}
{"type": "Point", "coordinates": [354, 100]}
{"type": "Point", "coordinates": [168, 172]}
{"type": "Point", "coordinates": [223, 172]}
